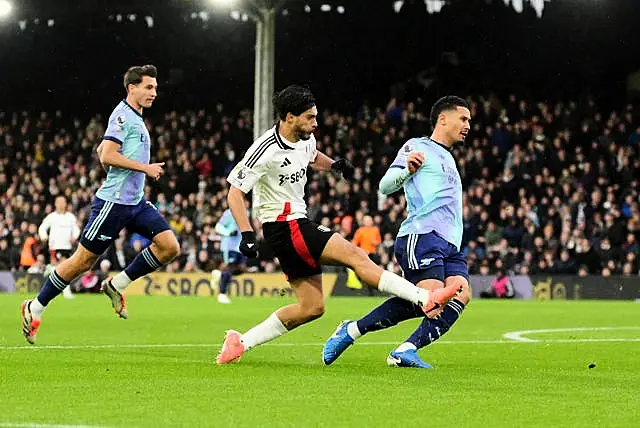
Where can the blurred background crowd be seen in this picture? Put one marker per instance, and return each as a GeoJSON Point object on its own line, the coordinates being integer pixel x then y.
{"type": "Point", "coordinates": [550, 187]}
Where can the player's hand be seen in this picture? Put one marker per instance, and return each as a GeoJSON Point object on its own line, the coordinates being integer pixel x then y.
{"type": "Point", "coordinates": [248, 245]}
{"type": "Point", "coordinates": [414, 161]}
{"type": "Point", "coordinates": [344, 167]}
{"type": "Point", "coordinates": [155, 171]}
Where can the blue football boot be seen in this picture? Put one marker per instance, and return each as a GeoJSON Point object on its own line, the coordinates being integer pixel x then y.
{"type": "Point", "coordinates": [337, 343]}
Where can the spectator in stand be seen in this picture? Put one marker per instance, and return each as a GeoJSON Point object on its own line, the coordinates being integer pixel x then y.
{"type": "Point", "coordinates": [501, 287]}
{"type": "Point", "coordinates": [541, 176]}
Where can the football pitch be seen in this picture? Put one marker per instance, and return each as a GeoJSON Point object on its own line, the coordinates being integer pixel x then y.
{"type": "Point", "coordinates": [506, 363]}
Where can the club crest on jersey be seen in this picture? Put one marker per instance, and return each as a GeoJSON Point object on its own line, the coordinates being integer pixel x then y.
{"type": "Point", "coordinates": [241, 174]}
{"type": "Point", "coordinates": [121, 120]}
{"type": "Point", "coordinates": [407, 148]}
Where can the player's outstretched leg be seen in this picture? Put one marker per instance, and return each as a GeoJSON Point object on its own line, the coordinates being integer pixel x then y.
{"type": "Point", "coordinates": [164, 248]}
{"type": "Point", "coordinates": [388, 314]}
{"type": "Point", "coordinates": [430, 330]}
{"type": "Point", "coordinates": [339, 251]}
{"type": "Point", "coordinates": [31, 310]}
{"type": "Point", "coordinates": [309, 307]}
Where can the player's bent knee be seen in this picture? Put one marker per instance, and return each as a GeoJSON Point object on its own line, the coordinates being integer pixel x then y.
{"type": "Point", "coordinates": [174, 249]}
{"type": "Point", "coordinates": [81, 261]}
{"type": "Point", "coordinates": [170, 249]}
{"type": "Point", "coordinates": [84, 258]}
{"type": "Point", "coordinates": [315, 311]}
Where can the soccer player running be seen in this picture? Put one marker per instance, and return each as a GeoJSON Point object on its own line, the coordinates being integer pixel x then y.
{"type": "Point", "coordinates": [428, 243]}
{"type": "Point", "coordinates": [234, 260]}
{"type": "Point", "coordinates": [119, 203]}
{"type": "Point", "coordinates": [275, 167]}
{"type": "Point", "coordinates": [60, 229]}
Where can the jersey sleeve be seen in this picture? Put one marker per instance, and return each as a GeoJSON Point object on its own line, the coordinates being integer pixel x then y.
{"type": "Point", "coordinates": [222, 227]}
{"type": "Point", "coordinates": [250, 169]}
{"type": "Point", "coordinates": [43, 230]}
{"type": "Point", "coordinates": [116, 128]}
{"type": "Point", "coordinates": [76, 230]}
{"type": "Point", "coordinates": [401, 158]}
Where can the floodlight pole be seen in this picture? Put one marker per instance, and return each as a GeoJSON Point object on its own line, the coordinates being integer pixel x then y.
{"type": "Point", "coordinates": [265, 18]}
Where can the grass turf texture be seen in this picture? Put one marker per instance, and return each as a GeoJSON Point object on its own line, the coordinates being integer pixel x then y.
{"type": "Point", "coordinates": [89, 368]}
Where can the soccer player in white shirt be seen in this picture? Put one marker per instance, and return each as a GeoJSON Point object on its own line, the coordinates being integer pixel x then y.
{"type": "Point", "coordinates": [61, 229]}
{"type": "Point", "coordinates": [275, 168]}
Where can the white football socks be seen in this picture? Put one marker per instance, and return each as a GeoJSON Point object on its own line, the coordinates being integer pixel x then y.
{"type": "Point", "coordinates": [36, 308]}
{"type": "Point", "coordinates": [405, 347]}
{"type": "Point", "coordinates": [121, 281]}
{"type": "Point", "coordinates": [353, 330]}
{"type": "Point", "coordinates": [392, 283]}
{"type": "Point", "coordinates": [267, 330]}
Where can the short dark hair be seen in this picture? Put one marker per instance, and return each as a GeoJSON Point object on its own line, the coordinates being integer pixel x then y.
{"type": "Point", "coordinates": [134, 74]}
{"type": "Point", "coordinates": [294, 99]}
{"type": "Point", "coordinates": [450, 102]}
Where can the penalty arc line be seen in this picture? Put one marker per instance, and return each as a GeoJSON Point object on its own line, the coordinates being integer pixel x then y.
{"type": "Point", "coordinates": [518, 336]}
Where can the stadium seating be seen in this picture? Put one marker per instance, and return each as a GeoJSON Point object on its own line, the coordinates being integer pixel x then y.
{"type": "Point", "coordinates": [550, 188]}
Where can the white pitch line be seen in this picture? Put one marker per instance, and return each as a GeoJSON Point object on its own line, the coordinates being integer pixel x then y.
{"type": "Point", "coordinates": [38, 425]}
{"type": "Point", "coordinates": [215, 345]}
{"type": "Point", "coordinates": [518, 335]}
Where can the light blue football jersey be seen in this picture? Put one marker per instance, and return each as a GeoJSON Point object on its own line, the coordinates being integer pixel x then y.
{"type": "Point", "coordinates": [434, 192]}
{"type": "Point", "coordinates": [126, 127]}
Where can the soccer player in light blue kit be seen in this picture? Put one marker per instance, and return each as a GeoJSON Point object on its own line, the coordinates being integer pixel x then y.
{"type": "Point", "coordinates": [234, 260]}
{"type": "Point", "coordinates": [119, 203]}
{"type": "Point", "coordinates": [428, 243]}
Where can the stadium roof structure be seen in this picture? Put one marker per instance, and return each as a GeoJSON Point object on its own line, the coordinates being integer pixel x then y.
{"type": "Point", "coordinates": [335, 46]}
{"type": "Point", "coordinates": [30, 9]}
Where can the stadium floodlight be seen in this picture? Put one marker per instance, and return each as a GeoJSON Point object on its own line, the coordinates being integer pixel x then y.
{"type": "Point", "coordinates": [5, 8]}
{"type": "Point", "coordinates": [223, 3]}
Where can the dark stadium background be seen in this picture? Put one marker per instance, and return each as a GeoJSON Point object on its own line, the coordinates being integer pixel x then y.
{"type": "Point", "coordinates": [580, 47]}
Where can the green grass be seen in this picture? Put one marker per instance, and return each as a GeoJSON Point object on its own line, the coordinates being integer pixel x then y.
{"type": "Point", "coordinates": [483, 380]}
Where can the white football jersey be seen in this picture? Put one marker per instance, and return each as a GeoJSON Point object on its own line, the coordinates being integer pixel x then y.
{"type": "Point", "coordinates": [60, 230]}
{"type": "Point", "coordinates": [276, 170]}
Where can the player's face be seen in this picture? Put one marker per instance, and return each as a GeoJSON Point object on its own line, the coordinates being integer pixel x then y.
{"type": "Point", "coordinates": [145, 92]}
{"type": "Point", "coordinates": [61, 204]}
{"type": "Point", "coordinates": [306, 123]}
{"type": "Point", "coordinates": [458, 123]}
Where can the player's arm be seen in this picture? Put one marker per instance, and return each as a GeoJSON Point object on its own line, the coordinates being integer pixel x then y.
{"type": "Point", "coordinates": [221, 230]}
{"type": "Point", "coordinates": [114, 139]}
{"type": "Point", "coordinates": [248, 244]}
{"type": "Point", "coordinates": [322, 162]}
{"type": "Point", "coordinates": [43, 230]}
{"type": "Point", "coordinates": [99, 151]}
{"type": "Point", "coordinates": [406, 163]}
{"type": "Point", "coordinates": [223, 226]}
{"type": "Point", "coordinates": [242, 178]}
{"type": "Point", "coordinates": [75, 233]}
{"type": "Point", "coordinates": [236, 200]}
{"type": "Point", "coordinates": [110, 156]}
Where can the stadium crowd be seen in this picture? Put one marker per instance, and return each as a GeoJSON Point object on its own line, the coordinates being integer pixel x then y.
{"type": "Point", "coordinates": [549, 187]}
